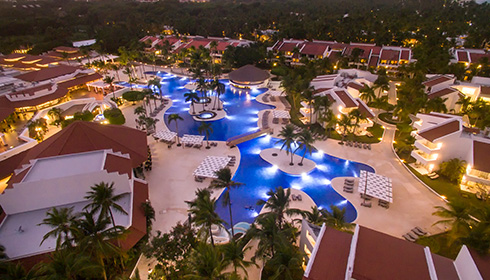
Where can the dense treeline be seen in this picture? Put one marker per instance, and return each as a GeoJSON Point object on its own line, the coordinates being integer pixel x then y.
{"type": "Point", "coordinates": [116, 23]}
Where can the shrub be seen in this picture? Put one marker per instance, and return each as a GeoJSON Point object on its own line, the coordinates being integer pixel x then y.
{"type": "Point", "coordinates": [114, 116]}
{"type": "Point", "coordinates": [133, 96]}
{"type": "Point", "coordinates": [453, 169]}
{"type": "Point", "coordinates": [85, 116]}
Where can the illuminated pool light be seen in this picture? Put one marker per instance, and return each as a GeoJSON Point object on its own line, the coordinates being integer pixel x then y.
{"type": "Point", "coordinates": [341, 203]}
{"type": "Point", "coordinates": [323, 167]}
{"type": "Point", "coordinates": [326, 182]}
{"type": "Point", "coordinates": [254, 214]}
{"type": "Point", "coordinates": [255, 151]}
{"type": "Point", "coordinates": [296, 186]}
{"type": "Point", "coordinates": [228, 117]}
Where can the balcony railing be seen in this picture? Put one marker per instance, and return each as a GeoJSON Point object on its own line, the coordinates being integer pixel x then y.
{"type": "Point", "coordinates": [426, 157]}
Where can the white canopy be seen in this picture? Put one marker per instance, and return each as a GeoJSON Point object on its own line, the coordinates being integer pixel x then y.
{"type": "Point", "coordinates": [210, 165]}
{"type": "Point", "coordinates": [165, 135]}
{"type": "Point", "coordinates": [280, 114]}
{"type": "Point", "coordinates": [376, 186]}
{"type": "Point", "coordinates": [192, 139]}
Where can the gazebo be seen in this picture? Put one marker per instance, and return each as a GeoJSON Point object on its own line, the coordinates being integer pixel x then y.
{"type": "Point", "coordinates": [249, 76]}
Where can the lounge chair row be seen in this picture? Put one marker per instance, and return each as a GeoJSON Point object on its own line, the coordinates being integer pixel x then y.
{"type": "Point", "coordinates": [265, 119]}
{"type": "Point", "coordinates": [414, 234]}
{"type": "Point", "coordinates": [349, 185]}
{"type": "Point", "coordinates": [359, 145]}
{"type": "Point", "coordinates": [295, 197]}
{"type": "Point", "coordinates": [199, 179]}
{"type": "Point", "coordinates": [433, 175]}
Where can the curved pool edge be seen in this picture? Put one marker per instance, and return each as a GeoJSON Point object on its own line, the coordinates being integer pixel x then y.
{"type": "Point", "coordinates": [337, 186]}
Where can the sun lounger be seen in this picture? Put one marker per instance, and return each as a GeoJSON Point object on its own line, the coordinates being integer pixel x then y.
{"type": "Point", "coordinates": [421, 231]}
{"type": "Point", "coordinates": [434, 177]}
{"type": "Point", "coordinates": [369, 146]}
{"type": "Point", "coordinates": [431, 174]}
{"type": "Point", "coordinates": [412, 235]}
{"type": "Point", "coordinates": [408, 238]}
{"type": "Point", "coordinates": [366, 197]}
{"type": "Point", "coordinates": [348, 183]}
{"type": "Point", "coordinates": [349, 180]}
{"type": "Point", "coordinates": [366, 204]}
{"type": "Point", "coordinates": [348, 190]}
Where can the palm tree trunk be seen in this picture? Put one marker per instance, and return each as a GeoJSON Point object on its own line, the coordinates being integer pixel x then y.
{"type": "Point", "coordinates": [177, 130]}
{"type": "Point", "coordinates": [193, 110]}
{"type": "Point", "coordinates": [211, 236]}
{"type": "Point", "coordinates": [291, 163]}
{"type": "Point", "coordinates": [101, 260]}
{"type": "Point", "coordinates": [231, 220]}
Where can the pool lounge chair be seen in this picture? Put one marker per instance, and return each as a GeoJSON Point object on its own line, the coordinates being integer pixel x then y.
{"type": "Point", "coordinates": [366, 204]}
{"type": "Point", "coordinates": [408, 238]}
{"type": "Point", "coordinates": [419, 231]}
{"type": "Point", "coordinates": [349, 181]}
{"type": "Point", "coordinates": [413, 235]}
{"type": "Point", "coordinates": [434, 176]}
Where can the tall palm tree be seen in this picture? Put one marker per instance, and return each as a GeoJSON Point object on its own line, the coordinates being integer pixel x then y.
{"type": "Point", "coordinates": [336, 218]}
{"type": "Point", "coordinates": [367, 94]}
{"type": "Point", "coordinates": [286, 263]}
{"type": "Point", "coordinates": [436, 105]}
{"type": "Point", "coordinates": [140, 110]}
{"type": "Point", "coordinates": [220, 88]}
{"type": "Point", "coordinates": [55, 114]}
{"type": "Point", "coordinates": [457, 215]}
{"type": "Point", "coordinates": [465, 102]}
{"type": "Point", "coordinates": [94, 237]}
{"type": "Point", "coordinates": [344, 122]}
{"type": "Point", "coordinates": [202, 86]}
{"type": "Point", "coordinates": [62, 221]}
{"type": "Point", "coordinates": [104, 201]}
{"type": "Point", "coordinates": [176, 118]}
{"type": "Point", "coordinates": [224, 181]}
{"type": "Point", "coordinates": [69, 264]}
{"type": "Point", "coordinates": [203, 212]}
{"type": "Point", "coordinates": [305, 140]}
{"type": "Point", "coordinates": [288, 139]}
{"type": "Point", "coordinates": [110, 81]}
{"type": "Point", "coordinates": [205, 128]}
{"type": "Point", "coordinates": [278, 205]}
{"type": "Point", "coordinates": [234, 252]}
{"type": "Point", "coordinates": [315, 216]}
{"type": "Point", "coordinates": [308, 96]}
{"type": "Point", "coordinates": [156, 82]}
{"type": "Point", "coordinates": [357, 116]}
{"type": "Point", "coordinates": [192, 97]}
{"type": "Point", "coordinates": [264, 229]}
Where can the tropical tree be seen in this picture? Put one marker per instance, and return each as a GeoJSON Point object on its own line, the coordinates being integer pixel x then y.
{"type": "Point", "coordinates": [336, 218]}
{"type": "Point", "coordinates": [264, 229]}
{"type": "Point", "coordinates": [224, 181]}
{"type": "Point", "coordinates": [205, 128]}
{"type": "Point", "coordinates": [305, 140]}
{"type": "Point", "coordinates": [203, 87]}
{"type": "Point", "coordinates": [15, 271]}
{"type": "Point", "coordinates": [357, 116]}
{"type": "Point", "coordinates": [234, 252]}
{"type": "Point", "coordinates": [465, 103]}
{"type": "Point", "coordinates": [55, 114]}
{"type": "Point", "coordinates": [288, 139]}
{"type": "Point", "coordinates": [110, 81]}
{"type": "Point", "coordinates": [315, 216]}
{"type": "Point", "coordinates": [156, 83]}
{"type": "Point", "coordinates": [192, 97]}
{"type": "Point", "coordinates": [203, 213]}
{"type": "Point", "coordinates": [62, 221]}
{"type": "Point", "coordinates": [367, 94]}
{"type": "Point", "coordinates": [286, 263]}
{"type": "Point", "coordinates": [140, 110]}
{"type": "Point", "coordinates": [436, 105]}
{"type": "Point", "coordinates": [453, 169]}
{"type": "Point", "coordinates": [175, 118]}
{"type": "Point", "coordinates": [278, 205]}
{"type": "Point", "coordinates": [345, 122]}
{"type": "Point", "coordinates": [207, 263]}
{"type": "Point", "coordinates": [103, 200]}
{"type": "Point", "coordinates": [308, 95]}
{"type": "Point", "coordinates": [219, 87]}
{"type": "Point", "coordinates": [69, 264]}
{"type": "Point", "coordinates": [37, 129]}
{"type": "Point", "coordinates": [457, 215]}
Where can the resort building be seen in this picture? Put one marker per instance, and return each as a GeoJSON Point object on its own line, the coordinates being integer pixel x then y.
{"type": "Point", "coordinates": [369, 254]}
{"type": "Point", "coordinates": [59, 172]}
{"type": "Point", "coordinates": [442, 86]}
{"type": "Point", "coordinates": [479, 87]}
{"type": "Point", "coordinates": [468, 56]}
{"type": "Point", "coordinates": [441, 137]}
{"type": "Point", "coordinates": [342, 90]}
{"type": "Point", "coordinates": [368, 55]}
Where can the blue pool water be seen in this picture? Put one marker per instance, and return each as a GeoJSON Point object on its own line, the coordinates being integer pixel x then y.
{"type": "Point", "coordinates": [258, 175]}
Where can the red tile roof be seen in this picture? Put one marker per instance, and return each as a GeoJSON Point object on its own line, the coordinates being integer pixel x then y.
{"type": "Point", "coordinates": [8, 165]}
{"type": "Point", "coordinates": [462, 56]}
{"type": "Point", "coordinates": [439, 131]}
{"type": "Point", "coordinates": [58, 93]}
{"type": "Point", "coordinates": [249, 74]}
{"type": "Point", "coordinates": [196, 43]}
{"type": "Point", "coordinates": [331, 258]}
{"type": "Point", "coordinates": [436, 80]}
{"type": "Point", "coordinates": [482, 263]}
{"type": "Point", "coordinates": [311, 48]}
{"type": "Point", "coordinates": [445, 268]}
{"type": "Point", "coordinates": [66, 49]}
{"type": "Point", "coordinates": [80, 80]}
{"type": "Point", "coordinates": [364, 109]}
{"type": "Point", "coordinates": [222, 46]}
{"type": "Point", "coordinates": [475, 57]}
{"type": "Point", "coordinates": [287, 47]}
{"type": "Point", "coordinates": [355, 85]}
{"type": "Point", "coordinates": [346, 98]}
{"type": "Point", "coordinates": [442, 92]}
{"type": "Point", "coordinates": [47, 73]}
{"type": "Point", "coordinates": [121, 165]}
{"type": "Point", "coordinates": [481, 154]}
{"type": "Point", "coordinates": [392, 55]}
{"type": "Point", "coordinates": [380, 256]}
{"type": "Point", "coordinates": [138, 220]}
{"type": "Point", "coordinates": [405, 55]}
{"type": "Point", "coordinates": [373, 61]}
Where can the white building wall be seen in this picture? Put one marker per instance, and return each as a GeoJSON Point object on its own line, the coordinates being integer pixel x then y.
{"type": "Point", "coordinates": [465, 266]}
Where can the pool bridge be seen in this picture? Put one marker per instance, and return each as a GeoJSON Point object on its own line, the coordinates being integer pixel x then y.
{"type": "Point", "coordinates": [235, 140]}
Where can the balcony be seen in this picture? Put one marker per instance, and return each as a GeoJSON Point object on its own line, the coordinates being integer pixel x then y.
{"type": "Point", "coordinates": [478, 176]}
{"type": "Point", "coordinates": [426, 146]}
{"type": "Point", "coordinates": [305, 112]}
{"type": "Point", "coordinates": [422, 157]}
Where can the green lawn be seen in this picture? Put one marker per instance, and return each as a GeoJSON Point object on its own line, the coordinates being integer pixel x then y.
{"type": "Point", "coordinates": [387, 117]}
{"type": "Point", "coordinates": [440, 245]}
{"type": "Point", "coordinates": [377, 131]}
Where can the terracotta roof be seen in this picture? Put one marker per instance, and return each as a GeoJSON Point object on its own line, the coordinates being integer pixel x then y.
{"type": "Point", "coordinates": [287, 47]}
{"type": "Point", "coordinates": [58, 93]}
{"type": "Point", "coordinates": [170, 40]}
{"type": "Point", "coordinates": [47, 73]}
{"type": "Point", "coordinates": [346, 98]}
{"type": "Point", "coordinates": [314, 48]}
{"type": "Point", "coordinates": [390, 55]}
{"type": "Point", "coordinates": [221, 46]}
{"type": "Point", "coordinates": [485, 91]}
{"type": "Point", "coordinates": [380, 256]}
{"type": "Point", "coordinates": [481, 154]}
{"type": "Point", "coordinates": [8, 165]}
{"type": "Point", "coordinates": [65, 49]}
{"type": "Point", "coordinates": [405, 55]}
{"type": "Point", "coordinates": [445, 268]}
{"type": "Point", "coordinates": [355, 86]}
{"type": "Point", "coordinates": [373, 61]}
{"type": "Point", "coordinates": [331, 258]}
{"type": "Point", "coordinates": [83, 136]}
{"type": "Point", "coordinates": [482, 263]}
{"type": "Point", "coordinates": [138, 220]}
{"type": "Point", "coordinates": [441, 92]}
{"type": "Point", "coordinates": [475, 57]}
{"type": "Point", "coordinates": [364, 109]}
{"type": "Point", "coordinates": [5, 108]}
{"type": "Point", "coordinates": [196, 43]}
{"type": "Point", "coordinates": [79, 80]}
{"type": "Point", "coordinates": [249, 73]}
{"type": "Point", "coordinates": [13, 56]}
{"type": "Point", "coordinates": [121, 165]}
{"type": "Point", "coordinates": [462, 56]}
{"type": "Point", "coordinates": [439, 131]}
{"type": "Point", "coordinates": [436, 80]}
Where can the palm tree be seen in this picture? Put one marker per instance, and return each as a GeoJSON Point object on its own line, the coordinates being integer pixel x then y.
{"type": "Point", "coordinates": [234, 252]}
{"type": "Point", "coordinates": [465, 102]}
{"type": "Point", "coordinates": [264, 229]}
{"type": "Point", "coordinates": [192, 97]}
{"type": "Point", "coordinates": [110, 80]}
{"type": "Point", "coordinates": [104, 200]}
{"type": "Point", "coordinates": [62, 221]}
{"type": "Point", "coordinates": [224, 181]}
{"type": "Point", "coordinates": [357, 116]}
{"type": "Point", "coordinates": [457, 215]}
{"type": "Point", "coordinates": [94, 237]}
{"type": "Point", "coordinates": [176, 118]}
{"type": "Point", "coordinates": [140, 110]}
{"type": "Point", "coordinates": [68, 264]}
{"type": "Point", "coordinates": [55, 114]}
{"type": "Point", "coordinates": [436, 105]}
{"type": "Point", "coordinates": [305, 140]}
{"type": "Point", "coordinates": [203, 212]}
{"type": "Point", "coordinates": [308, 96]}
{"type": "Point", "coordinates": [207, 263]}
{"type": "Point", "coordinates": [278, 205]}
{"type": "Point", "coordinates": [156, 82]}
{"type": "Point", "coordinates": [15, 271]}
{"type": "Point", "coordinates": [220, 89]}
{"type": "Point", "coordinates": [344, 122]}
{"type": "Point", "coordinates": [336, 218]}
{"type": "Point", "coordinates": [315, 216]}
{"type": "Point", "coordinates": [367, 94]}
{"type": "Point", "coordinates": [286, 263]}
{"type": "Point", "coordinates": [203, 87]}
{"type": "Point", "coordinates": [205, 128]}
{"type": "Point", "coordinates": [288, 139]}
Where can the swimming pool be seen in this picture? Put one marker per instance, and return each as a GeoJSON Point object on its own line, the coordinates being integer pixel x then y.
{"type": "Point", "coordinates": [258, 175]}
